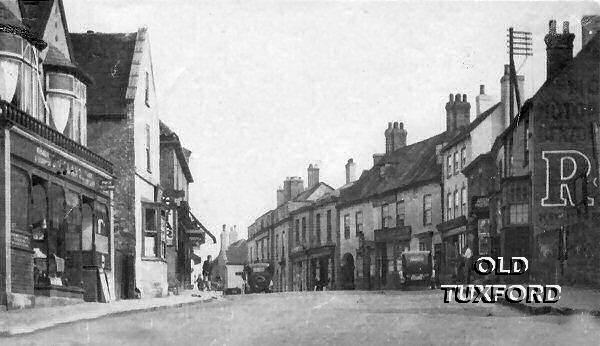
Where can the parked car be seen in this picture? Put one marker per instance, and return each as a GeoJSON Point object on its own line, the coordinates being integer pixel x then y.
{"type": "Point", "coordinates": [416, 268]}
{"type": "Point", "coordinates": [258, 278]}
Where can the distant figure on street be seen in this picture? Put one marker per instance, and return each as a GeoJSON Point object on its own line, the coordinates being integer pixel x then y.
{"type": "Point", "coordinates": [199, 282]}
{"type": "Point", "coordinates": [206, 272]}
{"type": "Point", "coordinates": [467, 270]}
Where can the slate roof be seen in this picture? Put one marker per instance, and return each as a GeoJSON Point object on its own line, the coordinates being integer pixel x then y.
{"type": "Point", "coordinates": [35, 15]}
{"type": "Point", "coordinates": [465, 131]}
{"type": "Point", "coordinates": [304, 195]}
{"type": "Point", "coordinates": [107, 59]}
{"type": "Point", "coordinates": [18, 27]}
{"type": "Point", "coordinates": [168, 136]}
{"type": "Point", "coordinates": [405, 167]}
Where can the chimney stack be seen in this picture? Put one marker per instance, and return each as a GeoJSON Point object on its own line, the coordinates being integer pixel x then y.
{"type": "Point", "coordinates": [559, 49]}
{"type": "Point", "coordinates": [398, 136]}
{"type": "Point", "coordinates": [389, 144]}
{"type": "Point", "coordinates": [458, 112]}
{"type": "Point", "coordinates": [224, 239]}
{"type": "Point", "coordinates": [377, 158]}
{"type": "Point", "coordinates": [313, 175]}
{"type": "Point", "coordinates": [350, 171]}
{"type": "Point", "coordinates": [233, 235]}
{"type": "Point", "coordinates": [292, 187]}
{"type": "Point", "coordinates": [590, 25]}
{"type": "Point", "coordinates": [483, 102]}
{"type": "Point", "coordinates": [505, 94]}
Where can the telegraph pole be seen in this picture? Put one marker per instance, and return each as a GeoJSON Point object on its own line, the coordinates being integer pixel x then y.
{"type": "Point", "coordinates": [519, 43]}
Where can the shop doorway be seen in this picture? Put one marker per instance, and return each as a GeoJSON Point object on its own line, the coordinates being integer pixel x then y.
{"type": "Point", "coordinates": [348, 272]}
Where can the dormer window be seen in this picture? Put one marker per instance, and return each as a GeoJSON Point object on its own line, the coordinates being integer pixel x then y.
{"type": "Point", "coordinates": [20, 75]}
{"type": "Point", "coordinates": [67, 102]}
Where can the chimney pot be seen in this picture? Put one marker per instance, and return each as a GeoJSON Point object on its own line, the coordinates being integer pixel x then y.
{"type": "Point", "coordinates": [451, 97]}
{"type": "Point", "coordinates": [395, 124]}
{"type": "Point", "coordinates": [464, 98]}
{"type": "Point", "coordinates": [565, 27]}
{"type": "Point", "coordinates": [90, 31]}
{"type": "Point", "coordinates": [481, 89]}
{"type": "Point", "coordinates": [552, 26]}
{"type": "Point", "coordinates": [457, 98]}
{"type": "Point", "coordinates": [401, 125]}
{"type": "Point", "coordinates": [390, 125]}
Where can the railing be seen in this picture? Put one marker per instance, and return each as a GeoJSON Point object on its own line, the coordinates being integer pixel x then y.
{"type": "Point", "coordinates": [15, 116]}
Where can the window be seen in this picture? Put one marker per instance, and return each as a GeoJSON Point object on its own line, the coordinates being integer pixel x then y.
{"type": "Point", "coordinates": [422, 246]}
{"type": "Point", "coordinates": [347, 226]}
{"type": "Point", "coordinates": [449, 207]}
{"type": "Point", "coordinates": [518, 213]}
{"type": "Point", "coordinates": [318, 228]}
{"type": "Point", "coordinates": [297, 231]}
{"type": "Point", "coordinates": [400, 213]}
{"type": "Point", "coordinates": [304, 230]}
{"type": "Point", "coordinates": [329, 225]}
{"type": "Point", "coordinates": [463, 197]}
{"type": "Point", "coordinates": [456, 204]}
{"type": "Point", "coordinates": [449, 166]}
{"type": "Point", "coordinates": [359, 222]}
{"type": "Point", "coordinates": [386, 216]}
{"type": "Point", "coordinates": [526, 142]}
{"type": "Point", "coordinates": [463, 157]}
{"type": "Point", "coordinates": [152, 241]}
{"type": "Point", "coordinates": [509, 164]}
{"type": "Point", "coordinates": [427, 210]}
{"type": "Point", "coordinates": [147, 89]}
{"type": "Point", "coordinates": [148, 165]}
{"type": "Point", "coordinates": [456, 168]}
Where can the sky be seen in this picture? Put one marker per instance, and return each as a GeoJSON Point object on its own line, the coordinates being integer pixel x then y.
{"type": "Point", "coordinates": [259, 90]}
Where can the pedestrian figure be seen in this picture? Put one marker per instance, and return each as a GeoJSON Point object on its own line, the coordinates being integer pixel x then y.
{"type": "Point", "coordinates": [206, 272]}
{"type": "Point", "coordinates": [467, 259]}
{"type": "Point", "coordinates": [199, 282]}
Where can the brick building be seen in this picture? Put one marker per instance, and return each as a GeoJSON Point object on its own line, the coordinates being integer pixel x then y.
{"type": "Point", "coordinates": [57, 238]}
{"type": "Point", "coordinates": [123, 126]}
{"type": "Point", "coordinates": [545, 159]}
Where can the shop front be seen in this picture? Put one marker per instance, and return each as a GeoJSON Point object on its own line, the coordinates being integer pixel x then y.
{"type": "Point", "coordinates": [58, 239]}
{"type": "Point", "coordinates": [455, 237]}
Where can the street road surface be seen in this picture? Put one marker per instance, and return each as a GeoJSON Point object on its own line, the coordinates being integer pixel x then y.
{"type": "Point", "coordinates": [325, 318]}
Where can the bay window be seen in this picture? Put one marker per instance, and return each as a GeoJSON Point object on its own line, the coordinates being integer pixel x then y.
{"type": "Point", "coordinates": [20, 75]}
{"type": "Point", "coordinates": [67, 102]}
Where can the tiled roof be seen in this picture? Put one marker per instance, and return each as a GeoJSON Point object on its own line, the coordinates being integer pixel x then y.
{"type": "Point", "coordinates": [408, 166]}
{"type": "Point", "coordinates": [306, 193]}
{"type": "Point", "coordinates": [169, 136]}
{"type": "Point", "coordinates": [464, 132]}
{"type": "Point", "coordinates": [107, 59]}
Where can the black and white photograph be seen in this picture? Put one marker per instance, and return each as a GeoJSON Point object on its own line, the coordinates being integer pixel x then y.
{"type": "Point", "coordinates": [299, 172]}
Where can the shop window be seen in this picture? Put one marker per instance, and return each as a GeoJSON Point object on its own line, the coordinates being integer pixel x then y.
{"type": "Point", "coordinates": [152, 240]}
{"type": "Point", "coordinates": [318, 228]}
{"type": "Point", "coordinates": [39, 225]}
{"type": "Point", "coordinates": [359, 222]}
{"type": "Point", "coordinates": [400, 213]}
{"type": "Point", "coordinates": [87, 227]}
{"type": "Point", "coordinates": [329, 225]}
{"type": "Point", "coordinates": [347, 226]}
{"type": "Point", "coordinates": [19, 190]}
{"type": "Point", "coordinates": [74, 256]}
{"type": "Point", "coordinates": [427, 210]}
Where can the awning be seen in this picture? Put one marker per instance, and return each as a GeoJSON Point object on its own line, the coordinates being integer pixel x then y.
{"type": "Point", "coordinates": [192, 226]}
{"type": "Point", "coordinates": [197, 259]}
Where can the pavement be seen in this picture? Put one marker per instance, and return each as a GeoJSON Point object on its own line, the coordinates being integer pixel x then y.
{"type": "Point", "coordinates": [573, 300]}
{"type": "Point", "coordinates": [324, 318]}
{"type": "Point", "coordinates": [16, 322]}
